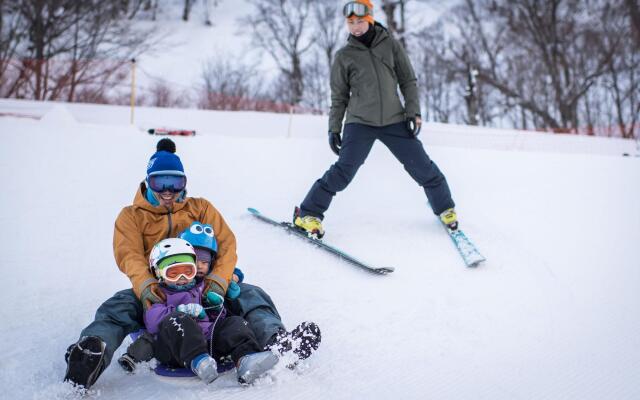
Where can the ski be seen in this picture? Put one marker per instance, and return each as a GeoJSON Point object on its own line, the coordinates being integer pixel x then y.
{"type": "Point", "coordinates": [289, 227]}
{"type": "Point", "coordinates": [467, 250]}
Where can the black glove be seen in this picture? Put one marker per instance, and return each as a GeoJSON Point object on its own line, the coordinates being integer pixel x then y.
{"type": "Point", "coordinates": [335, 142]}
{"type": "Point", "coordinates": [414, 126]}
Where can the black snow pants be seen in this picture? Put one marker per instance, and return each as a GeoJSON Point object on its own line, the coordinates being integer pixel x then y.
{"type": "Point", "coordinates": [357, 141]}
{"type": "Point", "coordinates": [180, 340]}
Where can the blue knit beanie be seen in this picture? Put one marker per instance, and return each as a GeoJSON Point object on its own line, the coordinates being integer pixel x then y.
{"type": "Point", "coordinates": [164, 161]}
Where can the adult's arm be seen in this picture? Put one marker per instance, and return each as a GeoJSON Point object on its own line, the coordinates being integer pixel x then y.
{"type": "Point", "coordinates": [340, 92]}
{"type": "Point", "coordinates": [227, 257]}
{"type": "Point", "coordinates": [406, 80]}
{"type": "Point", "coordinates": [128, 250]}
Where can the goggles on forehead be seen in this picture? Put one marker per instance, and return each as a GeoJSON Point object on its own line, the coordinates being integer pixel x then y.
{"type": "Point", "coordinates": [161, 183]}
{"type": "Point", "coordinates": [355, 8]}
{"type": "Point", "coordinates": [174, 272]}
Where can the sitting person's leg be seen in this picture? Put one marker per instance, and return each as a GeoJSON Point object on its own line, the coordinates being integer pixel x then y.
{"type": "Point", "coordinates": [114, 320]}
{"type": "Point", "coordinates": [233, 336]}
{"type": "Point", "coordinates": [256, 307]}
{"type": "Point", "coordinates": [181, 343]}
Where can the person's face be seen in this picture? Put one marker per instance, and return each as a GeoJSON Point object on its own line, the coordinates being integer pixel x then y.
{"type": "Point", "coordinates": [182, 281]}
{"type": "Point", "coordinates": [167, 198]}
{"type": "Point", "coordinates": [203, 268]}
{"type": "Point", "coordinates": [357, 26]}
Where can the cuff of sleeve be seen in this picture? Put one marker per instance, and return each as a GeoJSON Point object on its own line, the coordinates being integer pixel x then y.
{"type": "Point", "coordinates": [219, 280]}
{"type": "Point", "coordinates": [146, 283]}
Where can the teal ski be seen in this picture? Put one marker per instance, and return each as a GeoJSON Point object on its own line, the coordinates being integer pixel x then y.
{"type": "Point", "coordinates": [289, 227]}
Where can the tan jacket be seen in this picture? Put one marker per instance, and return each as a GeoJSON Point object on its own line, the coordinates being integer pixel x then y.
{"type": "Point", "coordinates": [141, 225]}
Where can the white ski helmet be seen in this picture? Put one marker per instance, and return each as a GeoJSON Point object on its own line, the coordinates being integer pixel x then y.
{"type": "Point", "coordinates": [168, 248]}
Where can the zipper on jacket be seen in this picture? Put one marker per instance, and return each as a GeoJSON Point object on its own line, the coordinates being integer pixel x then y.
{"type": "Point", "coordinates": [169, 218]}
{"type": "Point", "coordinates": [375, 69]}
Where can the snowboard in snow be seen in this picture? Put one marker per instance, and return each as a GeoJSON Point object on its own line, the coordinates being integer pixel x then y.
{"type": "Point", "coordinates": [289, 227]}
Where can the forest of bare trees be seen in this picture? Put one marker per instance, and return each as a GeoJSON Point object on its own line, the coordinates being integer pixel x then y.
{"type": "Point", "coordinates": [569, 66]}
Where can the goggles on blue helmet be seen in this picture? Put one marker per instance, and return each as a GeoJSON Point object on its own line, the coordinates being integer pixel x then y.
{"type": "Point", "coordinates": [355, 8]}
{"type": "Point", "coordinates": [173, 183]}
{"type": "Point", "coordinates": [201, 235]}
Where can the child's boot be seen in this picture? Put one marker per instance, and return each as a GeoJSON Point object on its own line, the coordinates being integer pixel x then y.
{"type": "Point", "coordinates": [303, 340]}
{"type": "Point", "coordinates": [251, 366]}
{"type": "Point", "coordinates": [205, 367]}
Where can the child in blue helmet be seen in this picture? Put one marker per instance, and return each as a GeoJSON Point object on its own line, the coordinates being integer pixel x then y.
{"type": "Point", "coordinates": [202, 238]}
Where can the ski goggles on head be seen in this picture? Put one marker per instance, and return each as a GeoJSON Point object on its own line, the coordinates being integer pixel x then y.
{"type": "Point", "coordinates": [173, 183]}
{"type": "Point", "coordinates": [355, 8]}
{"type": "Point", "coordinates": [174, 272]}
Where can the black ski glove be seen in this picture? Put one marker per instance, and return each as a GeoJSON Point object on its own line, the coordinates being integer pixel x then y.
{"type": "Point", "coordinates": [335, 142]}
{"type": "Point", "coordinates": [414, 124]}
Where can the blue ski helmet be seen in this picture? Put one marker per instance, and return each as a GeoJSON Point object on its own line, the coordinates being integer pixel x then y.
{"type": "Point", "coordinates": [201, 235]}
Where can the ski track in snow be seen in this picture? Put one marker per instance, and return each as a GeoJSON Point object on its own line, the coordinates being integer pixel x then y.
{"type": "Point", "coordinates": [551, 314]}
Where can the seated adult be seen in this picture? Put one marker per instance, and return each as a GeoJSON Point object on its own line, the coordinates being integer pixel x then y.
{"type": "Point", "coordinates": [161, 209]}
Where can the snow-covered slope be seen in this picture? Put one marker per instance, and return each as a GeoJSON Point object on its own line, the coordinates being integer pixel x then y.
{"type": "Point", "coordinates": [551, 315]}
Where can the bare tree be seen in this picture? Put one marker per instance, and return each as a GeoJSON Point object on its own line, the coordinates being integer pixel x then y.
{"type": "Point", "coordinates": [280, 28]}
{"type": "Point", "coordinates": [634, 19]}
{"type": "Point", "coordinates": [186, 10]}
{"type": "Point", "coordinates": [228, 86]}
{"type": "Point", "coordinates": [389, 8]}
{"type": "Point", "coordinates": [330, 28]}
{"type": "Point", "coordinates": [316, 83]}
{"type": "Point", "coordinates": [13, 33]}
{"type": "Point", "coordinates": [72, 44]}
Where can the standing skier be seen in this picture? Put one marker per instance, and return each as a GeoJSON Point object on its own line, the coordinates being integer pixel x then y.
{"type": "Point", "coordinates": [365, 77]}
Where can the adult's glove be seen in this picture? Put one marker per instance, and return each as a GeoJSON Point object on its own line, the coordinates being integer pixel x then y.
{"type": "Point", "coordinates": [211, 285]}
{"type": "Point", "coordinates": [214, 301]}
{"type": "Point", "coordinates": [414, 124]}
{"type": "Point", "coordinates": [193, 309]}
{"type": "Point", "coordinates": [335, 142]}
{"type": "Point", "coordinates": [233, 291]}
{"type": "Point", "coordinates": [152, 294]}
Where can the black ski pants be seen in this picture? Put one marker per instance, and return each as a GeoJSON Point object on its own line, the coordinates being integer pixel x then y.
{"type": "Point", "coordinates": [121, 315]}
{"type": "Point", "coordinates": [180, 340]}
{"type": "Point", "coordinates": [357, 141]}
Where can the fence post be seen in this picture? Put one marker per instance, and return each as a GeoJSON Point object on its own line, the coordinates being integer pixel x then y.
{"type": "Point", "coordinates": [290, 120]}
{"type": "Point", "coordinates": [133, 88]}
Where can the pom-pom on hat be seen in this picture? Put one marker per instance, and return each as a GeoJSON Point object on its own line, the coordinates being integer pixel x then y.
{"type": "Point", "coordinates": [164, 161]}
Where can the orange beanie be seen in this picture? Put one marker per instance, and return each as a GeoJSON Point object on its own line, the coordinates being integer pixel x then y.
{"type": "Point", "coordinates": [368, 18]}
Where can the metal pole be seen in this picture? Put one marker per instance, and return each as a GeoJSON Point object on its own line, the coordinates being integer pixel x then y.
{"type": "Point", "coordinates": [133, 88]}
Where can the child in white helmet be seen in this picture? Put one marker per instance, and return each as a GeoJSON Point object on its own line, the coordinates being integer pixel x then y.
{"type": "Point", "coordinates": [187, 334]}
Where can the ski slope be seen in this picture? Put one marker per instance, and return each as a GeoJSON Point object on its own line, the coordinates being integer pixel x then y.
{"type": "Point", "coordinates": [552, 314]}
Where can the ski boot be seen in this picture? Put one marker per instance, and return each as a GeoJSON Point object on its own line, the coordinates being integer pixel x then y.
{"type": "Point", "coordinates": [85, 361]}
{"type": "Point", "coordinates": [450, 219]}
{"type": "Point", "coordinates": [205, 367]}
{"type": "Point", "coordinates": [309, 224]}
{"type": "Point", "coordinates": [303, 340]}
{"type": "Point", "coordinates": [251, 366]}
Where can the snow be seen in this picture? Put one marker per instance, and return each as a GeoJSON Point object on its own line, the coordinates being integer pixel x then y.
{"type": "Point", "coordinates": [552, 314]}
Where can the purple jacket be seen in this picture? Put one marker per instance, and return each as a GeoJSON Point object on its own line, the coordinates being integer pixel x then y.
{"type": "Point", "coordinates": [159, 311]}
